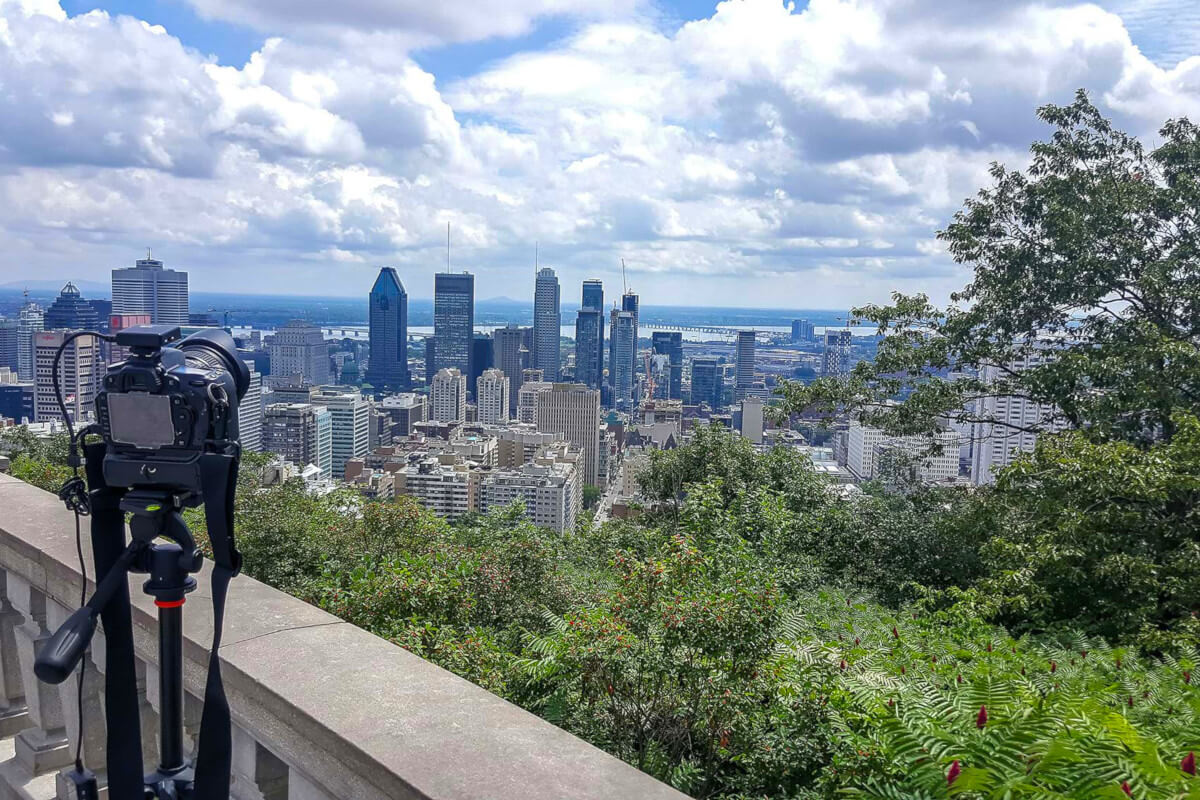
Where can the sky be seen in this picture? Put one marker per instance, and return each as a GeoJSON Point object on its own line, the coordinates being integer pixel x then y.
{"type": "Point", "coordinates": [748, 153]}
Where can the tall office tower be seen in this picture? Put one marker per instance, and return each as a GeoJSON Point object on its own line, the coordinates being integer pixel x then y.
{"type": "Point", "coordinates": [30, 320]}
{"type": "Point", "coordinates": [387, 370]}
{"type": "Point", "coordinates": [453, 320]}
{"type": "Point", "coordinates": [300, 432]}
{"type": "Point", "coordinates": [706, 382]}
{"type": "Point", "coordinates": [670, 344]}
{"type": "Point", "coordinates": [80, 372]}
{"type": "Point", "coordinates": [8, 344]}
{"type": "Point", "coordinates": [350, 419]}
{"type": "Point", "coordinates": [300, 349]}
{"type": "Point", "coordinates": [622, 346]}
{"type": "Point", "coordinates": [70, 311]}
{"type": "Point", "coordinates": [802, 331]}
{"type": "Point", "coordinates": [589, 347]}
{"type": "Point", "coordinates": [491, 397]}
{"type": "Point", "coordinates": [481, 360]}
{"type": "Point", "coordinates": [573, 410]}
{"type": "Point", "coordinates": [250, 413]}
{"type": "Point", "coordinates": [836, 360]}
{"type": "Point", "coordinates": [510, 355]}
{"type": "Point", "coordinates": [629, 302]}
{"type": "Point", "coordinates": [448, 396]}
{"type": "Point", "coordinates": [547, 324]}
{"type": "Point", "coordinates": [1010, 431]}
{"type": "Point", "coordinates": [593, 294]}
{"type": "Point", "coordinates": [745, 364]}
{"type": "Point", "coordinates": [148, 288]}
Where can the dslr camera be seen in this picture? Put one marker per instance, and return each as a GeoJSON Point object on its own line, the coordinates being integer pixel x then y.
{"type": "Point", "coordinates": [168, 404]}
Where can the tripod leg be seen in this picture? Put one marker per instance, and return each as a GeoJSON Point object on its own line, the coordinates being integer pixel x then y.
{"type": "Point", "coordinates": [121, 700]}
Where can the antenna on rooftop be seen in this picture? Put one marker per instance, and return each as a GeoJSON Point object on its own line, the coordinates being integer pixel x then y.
{"type": "Point", "coordinates": [624, 283]}
{"type": "Point", "coordinates": [147, 253]}
{"type": "Point", "coordinates": [447, 245]}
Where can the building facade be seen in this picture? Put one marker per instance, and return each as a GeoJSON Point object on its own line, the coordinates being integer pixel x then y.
{"type": "Point", "coordinates": [250, 413]}
{"type": "Point", "coordinates": [573, 411]}
{"type": "Point", "coordinates": [80, 372]}
{"type": "Point", "coordinates": [1012, 425]}
{"type": "Point", "coordinates": [547, 324]}
{"type": "Point", "coordinates": [511, 348]}
{"type": "Point", "coordinates": [387, 366]}
{"type": "Point", "coordinates": [747, 342]}
{"type": "Point", "coordinates": [300, 432]}
{"type": "Point", "coordinates": [30, 320]}
{"type": "Point", "coordinates": [350, 423]}
{"type": "Point", "coordinates": [622, 357]}
{"type": "Point", "coordinates": [933, 460]}
{"type": "Point", "coordinates": [491, 397]}
{"type": "Point", "coordinates": [448, 396]}
{"type": "Point", "coordinates": [71, 312]}
{"type": "Point", "coordinates": [453, 321]}
{"type": "Point", "coordinates": [707, 382]}
{"type": "Point", "coordinates": [670, 344]}
{"type": "Point", "coordinates": [835, 360]}
{"type": "Point", "coordinates": [149, 288]}
{"type": "Point", "coordinates": [803, 331]}
{"type": "Point", "coordinates": [299, 348]}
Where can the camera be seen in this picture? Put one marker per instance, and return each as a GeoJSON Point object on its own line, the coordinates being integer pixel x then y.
{"type": "Point", "coordinates": [167, 404]}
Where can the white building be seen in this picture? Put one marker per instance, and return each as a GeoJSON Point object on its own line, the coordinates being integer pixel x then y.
{"type": "Point", "coordinates": [1013, 433]}
{"type": "Point", "coordinates": [300, 432]}
{"type": "Point", "coordinates": [30, 320]}
{"type": "Point", "coordinates": [527, 399]}
{"type": "Point", "coordinates": [250, 413]}
{"type": "Point", "coordinates": [573, 410]}
{"type": "Point", "coordinates": [350, 417]}
{"type": "Point", "coordinates": [865, 445]}
{"type": "Point", "coordinates": [299, 348]}
{"type": "Point", "coordinates": [448, 396]}
{"type": "Point", "coordinates": [491, 397]}
{"type": "Point", "coordinates": [550, 486]}
{"type": "Point", "coordinates": [752, 419]}
{"type": "Point", "coordinates": [446, 488]}
{"type": "Point", "coordinates": [148, 288]}
{"type": "Point", "coordinates": [80, 370]}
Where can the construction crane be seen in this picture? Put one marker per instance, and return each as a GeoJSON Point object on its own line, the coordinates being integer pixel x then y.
{"type": "Point", "coordinates": [624, 283]}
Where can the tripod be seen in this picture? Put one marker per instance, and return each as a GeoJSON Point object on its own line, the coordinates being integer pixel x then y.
{"type": "Point", "coordinates": [162, 547]}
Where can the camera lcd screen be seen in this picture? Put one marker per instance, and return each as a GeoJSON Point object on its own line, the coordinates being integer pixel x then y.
{"type": "Point", "coordinates": [141, 420]}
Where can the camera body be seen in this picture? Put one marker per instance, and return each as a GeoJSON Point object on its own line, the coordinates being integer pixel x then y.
{"type": "Point", "coordinates": [167, 404]}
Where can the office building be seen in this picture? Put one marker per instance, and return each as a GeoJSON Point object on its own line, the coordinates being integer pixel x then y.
{"type": "Point", "coordinates": [670, 344]}
{"type": "Point", "coordinates": [300, 432]}
{"type": "Point", "coordinates": [547, 325]}
{"type": "Point", "coordinates": [593, 294]}
{"type": "Point", "coordinates": [8, 345]}
{"type": "Point", "coordinates": [803, 331]}
{"type": "Point", "coordinates": [1009, 424]}
{"type": "Point", "coordinates": [589, 347]}
{"type": "Point", "coordinates": [707, 382]}
{"type": "Point", "coordinates": [70, 311]}
{"type": "Point", "coordinates": [250, 413]}
{"type": "Point", "coordinates": [630, 304]}
{"type": "Point", "coordinates": [103, 309]}
{"type": "Point", "coordinates": [149, 288]}
{"type": "Point", "coordinates": [527, 401]}
{"type": "Point", "coordinates": [752, 419]}
{"type": "Point", "coordinates": [573, 411]}
{"type": "Point", "coordinates": [481, 360]}
{"type": "Point", "coordinates": [448, 396]}
{"type": "Point", "coordinates": [299, 349]}
{"type": "Point", "coordinates": [931, 460]}
{"type": "Point", "coordinates": [491, 397]}
{"type": "Point", "coordinates": [350, 424]}
{"type": "Point", "coordinates": [387, 365]}
{"type": "Point", "coordinates": [836, 359]}
{"type": "Point", "coordinates": [17, 400]}
{"type": "Point", "coordinates": [622, 356]}
{"type": "Point", "coordinates": [511, 348]}
{"type": "Point", "coordinates": [453, 321]}
{"type": "Point", "coordinates": [404, 411]}
{"type": "Point", "coordinates": [80, 372]}
{"type": "Point", "coordinates": [30, 320]}
{"type": "Point", "coordinates": [744, 380]}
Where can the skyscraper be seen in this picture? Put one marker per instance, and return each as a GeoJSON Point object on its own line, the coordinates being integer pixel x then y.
{"type": "Point", "coordinates": [547, 324]}
{"type": "Point", "coordinates": [746, 341]}
{"type": "Point", "coordinates": [149, 288]}
{"type": "Point", "coordinates": [30, 320]}
{"type": "Point", "coordinates": [448, 396]}
{"type": "Point", "coordinates": [70, 311]}
{"type": "Point", "coordinates": [802, 331]}
{"type": "Point", "coordinates": [8, 345]}
{"type": "Point", "coordinates": [491, 397]}
{"type": "Point", "coordinates": [481, 360]}
{"type": "Point", "coordinates": [623, 346]}
{"type": "Point", "coordinates": [836, 360]}
{"type": "Point", "coordinates": [573, 410]}
{"type": "Point", "coordinates": [706, 381]}
{"type": "Point", "coordinates": [629, 302]}
{"type": "Point", "coordinates": [299, 348]}
{"type": "Point", "coordinates": [589, 347]}
{"type": "Point", "coordinates": [510, 355]}
{"type": "Point", "coordinates": [453, 320]}
{"type": "Point", "coordinates": [387, 369]}
{"type": "Point", "coordinates": [80, 372]}
{"type": "Point", "coordinates": [350, 420]}
{"type": "Point", "coordinates": [670, 344]}
{"type": "Point", "coordinates": [593, 294]}
{"type": "Point", "coordinates": [1009, 423]}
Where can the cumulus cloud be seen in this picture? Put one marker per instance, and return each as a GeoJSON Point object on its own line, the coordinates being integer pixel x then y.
{"type": "Point", "coordinates": [763, 155]}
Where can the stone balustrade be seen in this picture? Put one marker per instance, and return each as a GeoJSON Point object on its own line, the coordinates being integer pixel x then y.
{"type": "Point", "coordinates": [322, 710]}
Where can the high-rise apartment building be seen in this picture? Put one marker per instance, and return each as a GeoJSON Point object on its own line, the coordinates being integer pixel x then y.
{"type": "Point", "coordinates": [706, 382]}
{"type": "Point", "coordinates": [511, 348]}
{"type": "Point", "coordinates": [931, 460]}
{"type": "Point", "coordinates": [350, 423]}
{"type": "Point", "coordinates": [80, 372]}
{"type": "Point", "coordinates": [573, 410]}
{"type": "Point", "coordinates": [803, 331]}
{"type": "Point", "coordinates": [622, 344]}
{"type": "Point", "coordinates": [70, 311]}
{"type": "Point", "coordinates": [448, 396]}
{"type": "Point", "coordinates": [453, 320]}
{"type": "Point", "coordinates": [670, 344]}
{"type": "Point", "coordinates": [481, 359]}
{"type": "Point", "coordinates": [250, 413]}
{"type": "Point", "coordinates": [547, 324]}
{"type": "Point", "coordinates": [149, 288]}
{"type": "Point", "coordinates": [589, 347]}
{"type": "Point", "coordinates": [387, 368]}
{"type": "Point", "coordinates": [300, 432]}
{"type": "Point", "coordinates": [404, 411]}
{"type": "Point", "coordinates": [746, 341]}
{"type": "Point", "coordinates": [299, 348]}
{"type": "Point", "coordinates": [630, 304]}
{"type": "Point", "coordinates": [491, 397]}
{"type": "Point", "coordinates": [836, 359]}
{"type": "Point", "coordinates": [1012, 423]}
{"type": "Point", "coordinates": [30, 320]}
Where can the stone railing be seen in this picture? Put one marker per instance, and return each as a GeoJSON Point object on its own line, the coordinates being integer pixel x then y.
{"type": "Point", "coordinates": [322, 710]}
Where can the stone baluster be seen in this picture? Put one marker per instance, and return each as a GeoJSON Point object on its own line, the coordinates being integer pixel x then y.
{"type": "Point", "coordinates": [43, 747]}
{"type": "Point", "coordinates": [93, 732]}
{"type": "Point", "coordinates": [301, 787]}
{"type": "Point", "coordinates": [258, 774]}
{"type": "Point", "coordinates": [13, 714]}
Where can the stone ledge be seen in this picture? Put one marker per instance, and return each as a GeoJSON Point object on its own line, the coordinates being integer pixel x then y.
{"type": "Point", "coordinates": [359, 715]}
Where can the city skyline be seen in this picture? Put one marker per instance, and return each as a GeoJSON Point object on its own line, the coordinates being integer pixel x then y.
{"type": "Point", "coordinates": [807, 152]}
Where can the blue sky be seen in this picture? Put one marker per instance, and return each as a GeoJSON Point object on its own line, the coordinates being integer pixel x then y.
{"type": "Point", "coordinates": [753, 153]}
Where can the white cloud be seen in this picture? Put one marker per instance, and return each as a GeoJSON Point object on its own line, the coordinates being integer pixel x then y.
{"type": "Point", "coordinates": [774, 157]}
